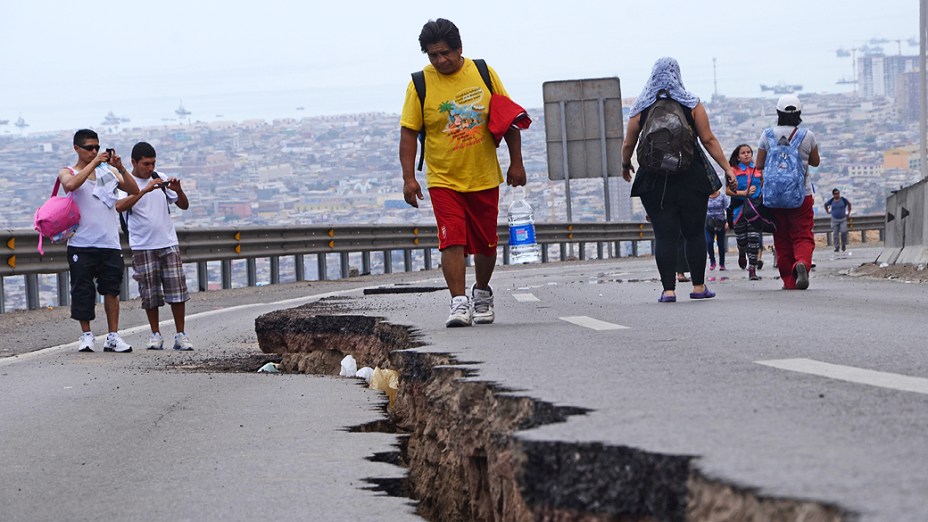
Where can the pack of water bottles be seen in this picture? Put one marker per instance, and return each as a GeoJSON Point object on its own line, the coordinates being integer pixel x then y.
{"type": "Point", "coordinates": [523, 247]}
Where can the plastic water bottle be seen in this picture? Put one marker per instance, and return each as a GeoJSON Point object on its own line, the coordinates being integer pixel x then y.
{"type": "Point", "coordinates": [522, 245]}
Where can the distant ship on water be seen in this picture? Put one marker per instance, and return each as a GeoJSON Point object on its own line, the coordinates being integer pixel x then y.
{"type": "Point", "coordinates": [21, 123]}
{"type": "Point", "coordinates": [781, 88]}
{"type": "Point", "coordinates": [181, 111]}
{"type": "Point", "coordinates": [112, 119]}
{"type": "Point", "coordinates": [4, 122]}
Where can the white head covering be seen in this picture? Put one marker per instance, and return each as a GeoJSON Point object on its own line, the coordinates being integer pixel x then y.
{"type": "Point", "coordinates": [665, 75]}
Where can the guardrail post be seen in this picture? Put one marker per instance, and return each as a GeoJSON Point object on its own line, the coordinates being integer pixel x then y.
{"type": "Point", "coordinates": [563, 251]}
{"type": "Point", "coordinates": [506, 255]}
{"type": "Point", "coordinates": [32, 291]}
{"type": "Point", "coordinates": [427, 258]}
{"type": "Point", "coordinates": [407, 260]}
{"type": "Point", "coordinates": [202, 276]}
{"type": "Point", "coordinates": [828, 239]}
{"type": "Point", "coordinates": [863, 236]}
{"type": "Point", "coordinates": [124, 288]}
{"type": "Point", "coordinates": [321, 271]}
{"type": "Point", "coordinates": [388, 261]}
{"type": "Point", "coordinates": [300, 269]}
{"type": "Point", "coordinates": [634, 249]}
{"type": "Point", "coordinates": [64, 288]}
{"type": "Point", "coordinates": [252, 270]}
{"type": "Point", "coordinates": [275, 270]}
{"type": "Point", "coordinates": [2, 299]}
{"type": "Point", "coordinates": [600, 249]}
{"type": "Point", "coordinates": [345, 269]}
{"type": "Point", "coordinates": [226, 273]}
{"type": "Point", "coordinates": [366, 262]}
{"type": "Point", "coordinates": [544, 253]}
{"type": "Point", "coordinates": [883, 235]}
{"type": "Point", "coordinates": [618, 249]}
{"type": "Point", "coordinates": [582, 251]}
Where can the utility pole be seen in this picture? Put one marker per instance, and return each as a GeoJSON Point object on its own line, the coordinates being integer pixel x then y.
{"type": "Point", "coordinates": [922, 90]}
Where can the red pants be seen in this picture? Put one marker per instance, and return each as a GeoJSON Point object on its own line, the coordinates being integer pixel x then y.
{"type": "Point", "coordinates": [793, 240]}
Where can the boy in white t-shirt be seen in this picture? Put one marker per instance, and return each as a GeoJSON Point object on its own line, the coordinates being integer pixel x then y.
{"type": "Point", "coordinates": [156, 259]}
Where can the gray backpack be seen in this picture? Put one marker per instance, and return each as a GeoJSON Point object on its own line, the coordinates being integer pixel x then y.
{"type": "Point", "coordinates": [667, 143]}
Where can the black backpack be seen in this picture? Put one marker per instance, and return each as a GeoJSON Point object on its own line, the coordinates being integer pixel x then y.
{"type": "Point", "coordinates": [124, 219]}
{"type": "Point", "coordinates": [418, 81]}
{"type": "Point", "coordinates": [667, 143]}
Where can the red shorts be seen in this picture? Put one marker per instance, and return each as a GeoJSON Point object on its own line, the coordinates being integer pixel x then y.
{"type": "Point", "coordinates": [466, 219]}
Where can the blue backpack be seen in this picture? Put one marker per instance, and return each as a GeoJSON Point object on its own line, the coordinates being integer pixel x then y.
{"type": "Point", "coordinates": [784, 175]}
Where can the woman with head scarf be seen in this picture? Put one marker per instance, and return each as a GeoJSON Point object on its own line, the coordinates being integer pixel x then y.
{"type": "Point", "coordinates": [676, 203]}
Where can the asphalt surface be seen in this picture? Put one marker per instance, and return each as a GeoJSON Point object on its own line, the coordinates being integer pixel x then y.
{"type": "Point", "coordinates": [111, 436]}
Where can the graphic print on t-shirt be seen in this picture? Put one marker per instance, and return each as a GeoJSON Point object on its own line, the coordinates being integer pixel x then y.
{"type": "Point", "coordinates": [465, 116]}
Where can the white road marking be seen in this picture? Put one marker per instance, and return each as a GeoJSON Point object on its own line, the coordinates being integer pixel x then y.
{"type": "Point", "coordinates": [526, 298]}
{"type": "Point", "coordinates": [593, 324]}
{"type": "Point", "coordinates": [892, 381]}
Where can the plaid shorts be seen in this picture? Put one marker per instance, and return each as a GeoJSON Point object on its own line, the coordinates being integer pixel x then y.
{"type": "Point", "coordinates": [159, 268]}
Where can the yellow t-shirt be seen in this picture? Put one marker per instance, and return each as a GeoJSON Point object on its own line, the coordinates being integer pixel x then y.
{"type": "Point", "coordinates": [459, 149]}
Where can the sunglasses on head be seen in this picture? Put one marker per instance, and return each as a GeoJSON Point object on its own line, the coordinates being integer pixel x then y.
{"type": "Point", "coordinates": [93, 148]}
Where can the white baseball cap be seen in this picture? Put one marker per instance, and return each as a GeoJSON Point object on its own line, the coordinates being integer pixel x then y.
{"type": "Point", "coordinates": [789, 103]}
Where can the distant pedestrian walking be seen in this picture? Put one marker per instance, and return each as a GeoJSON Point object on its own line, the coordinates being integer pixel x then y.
{"type": "Point", "coordinates": [840, 209]}
{"type": "Point", "coordinates": [463, 173]}
{"type": "Point", "coordinates": [675, 198]}
{"type": "Point", "coordinates": [795, 149]}
{"type": "Point", "coordinates": [95, 262]}
{"type": "Point", "coordinates": [156, 261]}
{"type": "Point", "coordinates": [715, 229]}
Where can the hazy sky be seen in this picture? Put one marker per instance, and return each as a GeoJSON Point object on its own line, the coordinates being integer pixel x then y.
{"type": "Point", "coordinates": [57, 53]}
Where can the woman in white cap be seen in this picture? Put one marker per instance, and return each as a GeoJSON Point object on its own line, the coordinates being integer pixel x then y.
{"type": "Point", "coordinates": [793, 239]}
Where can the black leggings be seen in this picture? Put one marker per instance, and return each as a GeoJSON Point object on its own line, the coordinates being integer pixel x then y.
{"type": "Point", "coordinates": [676, 210]}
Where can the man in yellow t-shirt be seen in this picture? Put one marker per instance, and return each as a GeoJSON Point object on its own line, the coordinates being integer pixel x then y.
{"type": "Point", "coordinates": [463, 174]}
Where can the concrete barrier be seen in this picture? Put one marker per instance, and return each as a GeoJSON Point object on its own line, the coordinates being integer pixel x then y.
{"type": "Point", "coordinates": [906, 236]}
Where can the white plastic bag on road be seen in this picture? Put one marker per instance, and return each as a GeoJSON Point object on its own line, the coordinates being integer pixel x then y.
{"type": "Point", "coordinates": [365, 373]}
{"type": "Point", "coordinates": [270, 368]}
{"type": "Point", "coordinates": [349, 366]}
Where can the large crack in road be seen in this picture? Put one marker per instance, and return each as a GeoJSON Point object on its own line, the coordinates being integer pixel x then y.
{"type": "Point", "coordinates": [457, 437]}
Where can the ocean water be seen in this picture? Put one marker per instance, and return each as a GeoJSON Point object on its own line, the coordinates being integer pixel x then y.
{"type": "Point", "coordinates": [147, 112]}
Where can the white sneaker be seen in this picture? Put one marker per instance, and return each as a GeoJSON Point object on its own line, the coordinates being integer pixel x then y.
{"type": "Point", "coordinates": [461, 312]}
{"type": "Point", "coordinates": [483, 304]}
{"type": "Point", "coordinates": [114, 343]}
{"type": "Point", "coordinates": [87, 342]}
{"type": "Point", "coordinates": [182, 342]}
{"type": "Point", "coordinates": [155, 342]}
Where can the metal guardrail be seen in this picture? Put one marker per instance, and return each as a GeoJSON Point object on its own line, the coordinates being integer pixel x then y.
{"type": "Point", "coordinates": [18, 248]}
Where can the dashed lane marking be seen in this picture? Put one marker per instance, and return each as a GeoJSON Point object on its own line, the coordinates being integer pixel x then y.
{"type": "Point", "coordinates": [592, 324]}
{"type": "Point", "coordinates": [853, 374]}
{"type": "Point", "coordinates": [526, 298]}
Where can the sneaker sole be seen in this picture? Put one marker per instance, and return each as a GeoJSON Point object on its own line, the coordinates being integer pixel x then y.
{"type": "Point", "coordinates": [455, 323]}
{"type": "Point", "coordinates": [86, 350]}
{"type": "Point", "coordinates": [179, 349]}
{"type": "Point", "coordinates": [802, 277]}
{"type": "Point", "coordinates": [117, 351]}
{"type": "Point", "coordinates": [484, 320]}
{"type": "Point", "coordinates": [155, 348]}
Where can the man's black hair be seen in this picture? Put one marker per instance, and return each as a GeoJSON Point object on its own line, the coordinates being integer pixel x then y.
{"type": "Point", "coordinates": [835, 190]}
{"type": "Point", "coordinates": [441, 30]}
{"type": "Point", "coordinates": [83, 135]}
{"type": "Point", "coordinates": [142, 150]}
{"type": "Point", "coordinates": [789, 118]}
